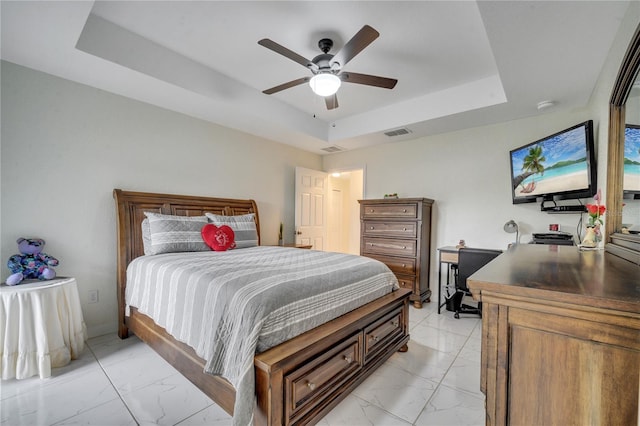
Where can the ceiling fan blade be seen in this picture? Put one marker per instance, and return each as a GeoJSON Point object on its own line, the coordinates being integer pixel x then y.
{"type": "Point", "coordinates": [369, 80]}
{"type": "Point", "coordinates": [331, 101]}
{"type": "Point", "coordinates": [270, 44]}
{"type": "Point", "coordinates": [287, 85]}
{"type": "Point", "coordinates": [358, 42]}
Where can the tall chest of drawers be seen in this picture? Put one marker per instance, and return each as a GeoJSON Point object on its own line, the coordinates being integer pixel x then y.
{"type": "Point", "coordinates": [397, 232]}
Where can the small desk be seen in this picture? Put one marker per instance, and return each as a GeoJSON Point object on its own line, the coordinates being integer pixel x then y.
{"type": "Point", "coordinates": [446, 255]}
{"type": "Point", "coordinates": [41, 327]}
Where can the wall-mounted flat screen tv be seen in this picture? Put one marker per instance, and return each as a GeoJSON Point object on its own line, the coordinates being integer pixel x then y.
{"type": "Point", "coordinates": [557, 167]}
{"type": "Point", "coordinates": [631, 177]}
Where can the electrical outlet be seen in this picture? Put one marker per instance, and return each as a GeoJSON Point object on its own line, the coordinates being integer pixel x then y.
{"type": "Point", "coordinates": [93, 296]}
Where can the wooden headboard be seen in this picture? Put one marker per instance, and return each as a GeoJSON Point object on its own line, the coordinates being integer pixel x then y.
{"type": "Point", "coordinates": [130, 208]}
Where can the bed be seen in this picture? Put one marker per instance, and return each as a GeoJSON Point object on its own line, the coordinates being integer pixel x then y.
{"type": "Point", "coordinates": [297, 381]}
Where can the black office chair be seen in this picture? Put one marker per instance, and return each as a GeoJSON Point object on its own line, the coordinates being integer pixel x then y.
{"type": "Point", "coordinates": [469, 261]}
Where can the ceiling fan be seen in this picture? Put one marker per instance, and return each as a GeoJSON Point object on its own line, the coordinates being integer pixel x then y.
{"type": "Point", "coordinates": [327, 69]}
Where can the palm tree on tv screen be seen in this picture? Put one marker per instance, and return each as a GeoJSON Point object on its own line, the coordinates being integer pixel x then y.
{"type": "Point", "coordinates": [532, 164]}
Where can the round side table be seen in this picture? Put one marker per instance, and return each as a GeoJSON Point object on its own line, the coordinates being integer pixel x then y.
{"type": "Point", "coordinates": [41, 327]}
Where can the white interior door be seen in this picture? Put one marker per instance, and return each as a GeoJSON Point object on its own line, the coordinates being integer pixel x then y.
{"type": "Point", "coordinates": [311, 207]}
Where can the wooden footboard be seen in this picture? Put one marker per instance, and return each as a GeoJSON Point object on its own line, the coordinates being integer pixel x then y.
{"type": "Point", "coordinates": [300, 380]}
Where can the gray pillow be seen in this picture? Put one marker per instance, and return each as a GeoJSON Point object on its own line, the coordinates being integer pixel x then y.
{"type": "Point", "coordinates": [244, 227]}
{"type": "Point", "coordinates": [169, 233]}
{"type": "Point", "coordinates": [146, 236]}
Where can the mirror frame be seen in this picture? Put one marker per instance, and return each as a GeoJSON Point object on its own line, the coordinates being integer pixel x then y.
{"type": "Point", "coordinates": [615, 158]}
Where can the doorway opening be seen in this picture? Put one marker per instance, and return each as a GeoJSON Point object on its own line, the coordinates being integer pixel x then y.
{"type": "Point", "coordinates": [345, 187]}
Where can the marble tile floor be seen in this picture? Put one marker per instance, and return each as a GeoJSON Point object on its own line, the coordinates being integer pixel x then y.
{"type": "Point", "coordinates": [123, 382]}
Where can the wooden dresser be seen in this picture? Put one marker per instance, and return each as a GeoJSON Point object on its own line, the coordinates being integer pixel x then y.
{"type": "Point", "coordinates": [397, 232]}
{"type": "Point", "coordinates": [560, 337]}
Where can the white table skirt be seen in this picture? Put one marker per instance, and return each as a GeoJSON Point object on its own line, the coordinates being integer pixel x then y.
{"type": "Point", "coordinates": [41, 326]}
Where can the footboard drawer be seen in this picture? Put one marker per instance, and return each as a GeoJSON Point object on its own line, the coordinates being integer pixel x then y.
{"type": "Point", "coordinates": [313, 380]}
{"type": "Point", "coordinates": [302, 379]}
{"type": "Point", "coordinates": [382, 333]}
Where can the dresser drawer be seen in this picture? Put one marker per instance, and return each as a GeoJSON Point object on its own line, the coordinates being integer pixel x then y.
{"type": "Point", "coordinates": [382, 333]}
{"type": "Point", "coordinates": [390, 210]}
{"type": "Point", "coordinates": [397, 265]}
{"type": "Point", "coordinates": [316, 380]}
{"type": "Point", "coordinates": [407, 281]}
{"type": "Point", "coordinates": [390, 229]}
{"type": "Point", "coordinates": [389, 246]}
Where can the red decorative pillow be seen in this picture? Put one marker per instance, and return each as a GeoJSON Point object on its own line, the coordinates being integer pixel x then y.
{"type": "Point", "coordinates": [218, 238]}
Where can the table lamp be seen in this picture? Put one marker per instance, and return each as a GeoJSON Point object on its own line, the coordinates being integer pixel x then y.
{"type": "Point", "coordinates": [511, 227]}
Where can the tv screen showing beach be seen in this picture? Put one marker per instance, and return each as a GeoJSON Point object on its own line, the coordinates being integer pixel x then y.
{"type": "Point", "coordinates": [631, 159]}
{"type": "Point", "coordinates": [553, 165]}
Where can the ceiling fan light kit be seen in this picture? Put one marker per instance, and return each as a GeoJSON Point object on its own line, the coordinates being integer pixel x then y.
{"type": "Point", "coordinates": [327, 68]}
{"type": "Point", "coordinates": [325, 84]}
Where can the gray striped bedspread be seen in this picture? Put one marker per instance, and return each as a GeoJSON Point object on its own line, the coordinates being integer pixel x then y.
{"type": "Point", "coordinates": [229, 305]}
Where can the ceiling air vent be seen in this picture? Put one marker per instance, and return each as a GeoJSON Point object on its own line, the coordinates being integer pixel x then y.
{"type": "Point", "coordinates": [397, 132]}
{"type": "Point", "coordinates": [333, 148]}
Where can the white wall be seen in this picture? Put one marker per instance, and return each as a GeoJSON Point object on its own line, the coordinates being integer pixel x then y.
{"type": "Point", "coordinates": [65, 147]}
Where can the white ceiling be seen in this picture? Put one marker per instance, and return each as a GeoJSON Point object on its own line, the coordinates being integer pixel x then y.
{"type": "Point", "coordinates": [458, 64]}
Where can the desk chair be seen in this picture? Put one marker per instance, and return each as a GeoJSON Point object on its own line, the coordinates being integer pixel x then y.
{"type": "Point", "coordinates": [469, 261]}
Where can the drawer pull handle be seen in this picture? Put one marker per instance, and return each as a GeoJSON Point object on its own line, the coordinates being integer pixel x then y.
{"type": "Point", "coordinates": [348, 359]}
{"type": "Point", "coordinates": [404, 265]}
{"type": "Point", "coordinates": [404, 229]}
{"type": "Point", "coordinates": [372, 227]}
{"type": "Point", "coordinates": [404, 247]}
{"type": "Point", "coordinates": [371, 211]}
{"type": "Point", "coordinates": [395, 323]}
{"type": "Point", "coordinates": [311, 386]}
{"type": "Point", "coordinates": [404, 211]}
{"type": "Point", "coordinates": [375, 338]}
